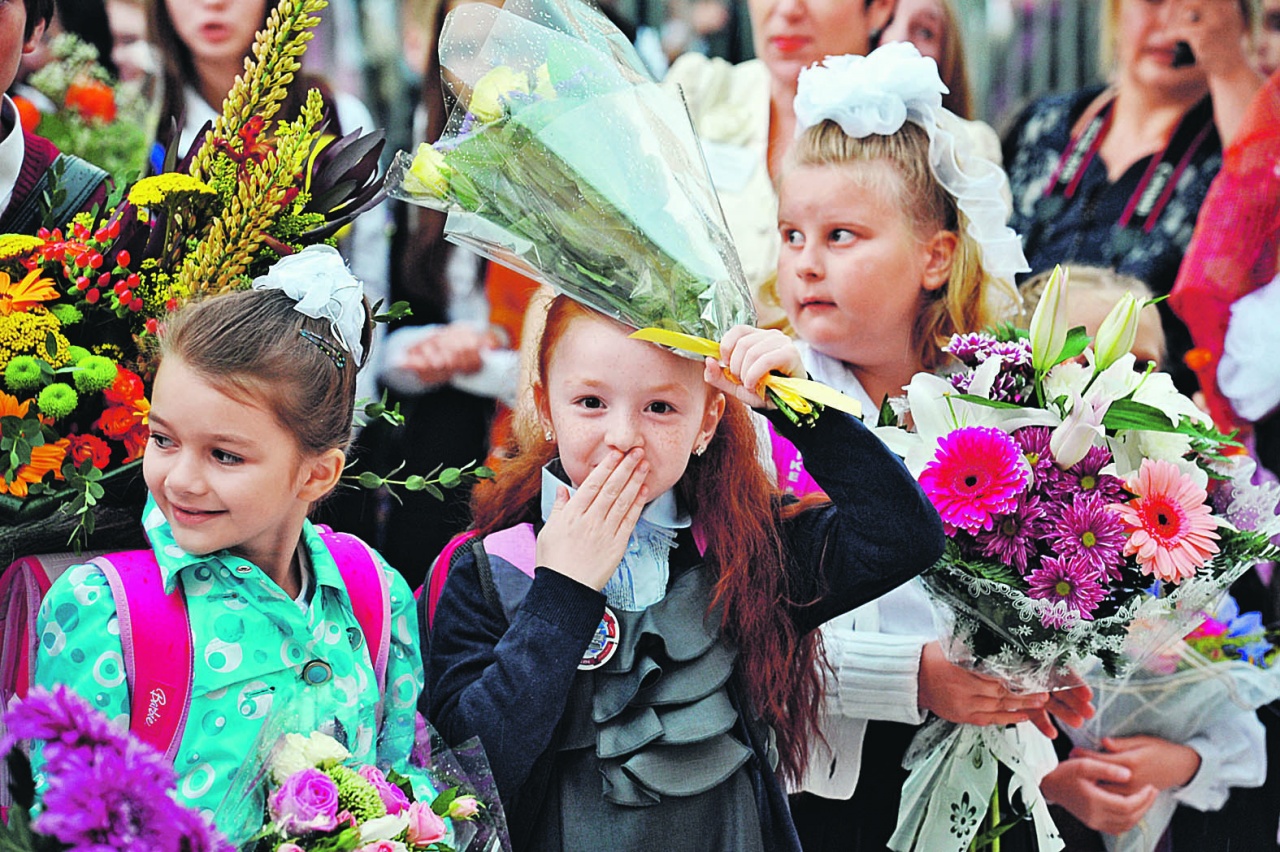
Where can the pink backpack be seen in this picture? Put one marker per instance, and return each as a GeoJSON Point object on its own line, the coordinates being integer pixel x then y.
{"type": "Point", "coordinates": [155, 632]}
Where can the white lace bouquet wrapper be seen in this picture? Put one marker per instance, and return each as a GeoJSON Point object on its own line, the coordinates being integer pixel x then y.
{"type": "Point", "coordinates": [563, 160]}
{"type": "Point", "coordinates": [997, 629]}
{"type": "Point", "coordinates": [1177, 695]}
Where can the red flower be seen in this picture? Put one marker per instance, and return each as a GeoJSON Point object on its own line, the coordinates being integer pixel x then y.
{"type": "Point", "coordinates": [125, 417]}
{"type": "Point", "coordinates": [92, 447]}
{"type": "Point", "coordinates": [92, 99]}
{"type": "Point", "coordinates": [28, 114]}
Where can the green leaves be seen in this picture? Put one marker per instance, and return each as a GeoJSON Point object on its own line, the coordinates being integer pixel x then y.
{"type": "Point", "coordinates": [435, 483]}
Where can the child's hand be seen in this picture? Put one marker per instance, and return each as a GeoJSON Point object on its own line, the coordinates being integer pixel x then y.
{"type": "Point", "coordinates": [960, 695]}
{"type": "Point", "coordinates": [586, 534]}
{"type": "Point", "coordinates": [1151, 761]}
{"type": "Point", "coordinates": [1087, 787]}
{"type": "Point", "coordinates": [750, 354]}
{"type": "Point", "coordinates": [1071, 706]}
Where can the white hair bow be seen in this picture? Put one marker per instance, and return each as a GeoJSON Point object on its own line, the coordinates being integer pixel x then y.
{"type": "Point", "coordinates": [317, 278]}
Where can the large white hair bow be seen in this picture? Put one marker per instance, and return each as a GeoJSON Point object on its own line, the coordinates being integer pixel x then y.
{"type": "Point", "coordinates": [317, 278]}
{"type": "Point", "coordinates": [894, 84]}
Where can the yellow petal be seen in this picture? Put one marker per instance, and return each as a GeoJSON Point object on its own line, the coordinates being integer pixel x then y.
{"type": "Point", "coordinates": [679, 340]}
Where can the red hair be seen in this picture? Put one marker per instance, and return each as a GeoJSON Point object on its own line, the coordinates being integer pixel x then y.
{"type": "Point", "coordinates": [739, 511]}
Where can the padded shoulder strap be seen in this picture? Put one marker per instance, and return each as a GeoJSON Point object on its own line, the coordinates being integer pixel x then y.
{"type": "Point", "coordinates": [439, 573]}
{"type": "Point", "coordinates": [370, 595]}
{"type": "Point", "coordinates": [159, 668]}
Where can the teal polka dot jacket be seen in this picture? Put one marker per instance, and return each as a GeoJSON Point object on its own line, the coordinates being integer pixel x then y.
{"type": "Point", "coordinates": [253, 646]}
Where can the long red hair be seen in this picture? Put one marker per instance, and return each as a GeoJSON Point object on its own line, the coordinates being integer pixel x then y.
{"type": "Point", "coordinates": [739, 511]}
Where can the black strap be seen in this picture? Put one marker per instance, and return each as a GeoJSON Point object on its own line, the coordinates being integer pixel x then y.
{"type": "Point", "coordinates": [78, 180]}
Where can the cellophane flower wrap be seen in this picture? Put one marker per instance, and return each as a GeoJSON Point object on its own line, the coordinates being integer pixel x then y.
{"type": "Point", "coordinates": [306, 791]}
{"type": "Point", "coordinates": [1223, 670]}
{"type": "Point", "coordinates": [565, 161]}
{"type": "Point", "coordinates": [1079, 499]}
{"type": "Point", "coordinates": [103, 789]}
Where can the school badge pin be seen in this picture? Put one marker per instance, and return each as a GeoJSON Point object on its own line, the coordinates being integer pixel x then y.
{"type": "Point", "coordinates": [603, 644]}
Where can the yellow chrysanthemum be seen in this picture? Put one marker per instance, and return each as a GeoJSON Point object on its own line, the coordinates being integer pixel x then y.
{"type": "Point", "coordinates": [27, 333]}
{"type": "Point", "coordinates": [17, 245]}
{"type": "Point", "coordinates": [154, 191]}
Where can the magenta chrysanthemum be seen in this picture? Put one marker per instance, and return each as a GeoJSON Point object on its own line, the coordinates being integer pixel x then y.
{"type": "Point", "coordinates": [1172, 531]}
{"type": "Point", "coordinates": [1088, 532]}
{"type": "Point", "coordinates": [1033, 441]}
{"type": "Point", "coordinates": [1012, 538]}
{"type": "Point", "coordinates": [1073, 588]}
{"type": "Point", "coordinates": [1086, 477]}
{"type": "Point", "coordinates": [970, 348]}
{"type": "Point", "coordinates": [976, 474]}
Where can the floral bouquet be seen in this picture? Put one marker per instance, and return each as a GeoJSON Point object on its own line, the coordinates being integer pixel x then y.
{"type": "Point", "coordinates": [105, 789]}
{"type": "Point", "coordinates": [309, 794]}
{"type": "Point", "coordinates": [564, 160]}
{"type": "Point", "coordinates": [1077, 501]}
{"type": "Point", "coordinates": [79, 302]}
{"type": "Point", "coordinates": [1224, 668]}
{"type": "Point", "coordinates": [87, 113]}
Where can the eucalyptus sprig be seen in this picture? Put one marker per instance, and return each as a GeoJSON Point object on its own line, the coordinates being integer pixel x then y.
{"type": "Point", "coordinates": [435, 483]}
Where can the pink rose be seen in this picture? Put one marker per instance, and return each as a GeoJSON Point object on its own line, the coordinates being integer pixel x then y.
{"type": "Point", "coordinates": [463, 807]}
{"type": "Point", "coordinates": [425, 825]}
{"type": "Point", "coordinates": [382, 846]}
{"type": "Point", "coordinates": [305, 803]}
{"type": "Point", "coordinates": [392, 796]}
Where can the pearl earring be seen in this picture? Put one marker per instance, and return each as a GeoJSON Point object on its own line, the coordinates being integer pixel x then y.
{"type": "Point", "coordinates": [551, 436]}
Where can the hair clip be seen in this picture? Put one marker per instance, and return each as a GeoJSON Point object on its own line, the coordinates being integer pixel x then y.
{"type": "Point", "coordinates": [335, 354]}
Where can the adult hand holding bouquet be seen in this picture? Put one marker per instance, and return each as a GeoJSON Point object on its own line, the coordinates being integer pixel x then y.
{"type": "Point", "coordinates": [1076, 500]}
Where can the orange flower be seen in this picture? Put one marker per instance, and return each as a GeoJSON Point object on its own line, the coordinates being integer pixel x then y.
{"type": "Point", "coordinates": [92, 99]}
{"type": "Point", "coordinates": [26, 294]}
{"type": "Point", "coordinates": [10, 407]}
{"type": "Point", "coordinates": [28, 115]}
{"type": "Point", "coordinates": [125, 418]}
{"type": "Point", "coordinates": [89, 447]}
{"type": "Point", "coordinates": [44, 459]}
{"type": "Point", "coordinates": [1198, 358]}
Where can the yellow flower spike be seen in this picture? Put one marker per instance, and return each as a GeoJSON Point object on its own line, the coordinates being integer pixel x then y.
{"type": "Point", "coordinates": [794, 392]}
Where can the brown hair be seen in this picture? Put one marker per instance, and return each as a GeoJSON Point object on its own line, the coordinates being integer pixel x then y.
{"type": "Point", "coordinates": [960, 305]}
{"type": "Point", "coordinates": [179, 70]}
{"type": "Point", "coordinates": [38, 12]}
{"type": "Point", "coordinates": [952, 67]}
{"type": "Point", "coordinates": [738, 509]}
{"type": "Point", "coordinates": [251, 343]}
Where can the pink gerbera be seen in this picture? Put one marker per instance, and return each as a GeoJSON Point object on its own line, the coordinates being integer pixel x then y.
{"type": "Point", "coordinates": [976, 474]}
{"type": "Point", "coordinates": [1170, 525]}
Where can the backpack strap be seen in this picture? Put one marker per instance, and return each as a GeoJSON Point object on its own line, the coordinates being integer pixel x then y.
{"type": "Point", "coordinates": [370, 595]}
{"type": "Point", "coordinates": [439, 573]}
{"type": "Point", "coordinates": [160, 668]}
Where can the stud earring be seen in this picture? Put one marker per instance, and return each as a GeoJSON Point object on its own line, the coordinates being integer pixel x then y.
{"type": "Point", "coordinates": [699, 450]}
{"type": "Point", "coordinates": [551, 436]}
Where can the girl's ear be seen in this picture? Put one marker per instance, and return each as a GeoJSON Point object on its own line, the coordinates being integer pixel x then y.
{"type": "Point", "coordinates": [320, 474]}
{"type": "Point", "coordinates": [940, 251]}
{"type": "Point", "coordinates": [710, 419]}
{"type": "Point", "coordinates": [37, 33]}
{"type": "Point", "coordinates": [543, 407]}
{"type": "Point", "coordinates": [879, 13]}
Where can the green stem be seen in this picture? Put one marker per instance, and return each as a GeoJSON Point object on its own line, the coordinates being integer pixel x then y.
{"type": "Point", "coordinates": [994, 815]}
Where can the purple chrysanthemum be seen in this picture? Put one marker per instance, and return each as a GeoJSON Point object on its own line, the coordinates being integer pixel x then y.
{"type": "Point", "coordinates": [1012, 539]}
{"type": "Point", "coordinates": [976, 474]}
{"type": "Point", "coordinates": [1014, 353]}
{"type": "Point", "coordinates": [1073, 588]}
{"type": "Point", "coordinates": [961, 381]}
{"type": "Point", "coordinates": [1086, 477]}
{"type": "Point", "coordinates": [970, 348]}
{"type": "Point", "coordinates": [1033, 441]}
{"type": "Point", "coordinates": [1089, 532]}
{"type": "Point", "coordinates": [1011, 387]}
{"type": "Point", "coordinates": [71, 729]}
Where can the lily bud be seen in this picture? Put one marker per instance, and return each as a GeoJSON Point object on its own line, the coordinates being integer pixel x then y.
{"type": "Point", "coordinates": [1118, 331]}
{"type": "Point", "coordinates": [1049, 323]}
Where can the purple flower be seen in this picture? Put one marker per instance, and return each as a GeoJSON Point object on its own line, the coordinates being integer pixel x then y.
{"type": "Point", "coordinates": [1087, 531]}
{"type": "Point", "coordinates": [961, 381]}
{"type": "Point", "coordinates": [69, 726]}
{"type": "Point", "coordinates": [306, 802]}
{"type": "Point", "coordinates": [392, 796]}
{"type": "Point", "coordinates": [1011, 387]}
{"type": "Point", "coordinates": [1073, 588]}
{"type": "Point", "coordinates": [1086, 476]}
{"type": "Point", "coordinates": [1034, 443]}
{"type": "Point", "coordinates": [970, 348]}
{"type": "Point", "coordinates": [1012, 540]}
{"type": "Point", "coordinates": [1014, 353]}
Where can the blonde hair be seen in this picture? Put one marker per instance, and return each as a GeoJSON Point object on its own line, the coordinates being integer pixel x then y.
{"type": "Point", "coordinates": [963, 303]}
